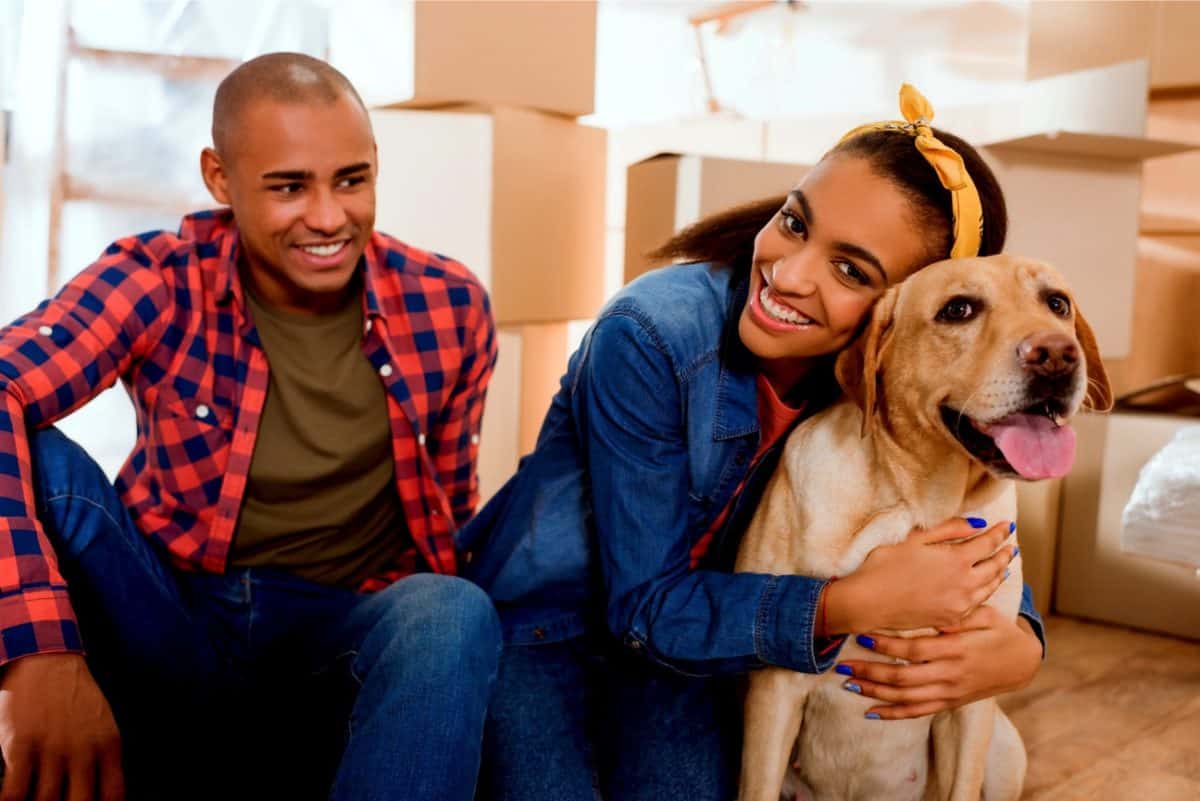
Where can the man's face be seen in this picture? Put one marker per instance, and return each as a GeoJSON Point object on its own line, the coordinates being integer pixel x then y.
{"type": "Point", "coordinates": [300, 178]}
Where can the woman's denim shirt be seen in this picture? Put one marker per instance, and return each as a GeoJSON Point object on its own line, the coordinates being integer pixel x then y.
{"type": "Point", "coordinates": [653, 428]}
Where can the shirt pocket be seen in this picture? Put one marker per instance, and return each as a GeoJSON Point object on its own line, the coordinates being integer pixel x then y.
{"type": "Point", "coordinates": [188, 448]}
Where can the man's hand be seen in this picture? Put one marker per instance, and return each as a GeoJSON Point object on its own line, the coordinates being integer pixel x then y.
{"type": "Point", "coordinates": [987, 654]}
{"type": "Point", "coordinates": [57, 733]}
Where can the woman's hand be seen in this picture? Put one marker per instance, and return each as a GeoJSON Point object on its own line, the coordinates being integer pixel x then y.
{"type": "Point", "coordinates": [925, 581]}
{"type": "Point", "coordinates": [987, 654]}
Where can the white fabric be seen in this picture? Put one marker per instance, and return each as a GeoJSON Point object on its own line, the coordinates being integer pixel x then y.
{"type": "Point", "coordinates": [1162, 518]}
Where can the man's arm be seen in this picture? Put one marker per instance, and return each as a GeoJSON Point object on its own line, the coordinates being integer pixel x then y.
{"type": "Point", "coordinates": [52, 361]}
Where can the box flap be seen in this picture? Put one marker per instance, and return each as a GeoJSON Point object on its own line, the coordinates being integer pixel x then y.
{"type": "Point", "coordinates": [1073, 143]}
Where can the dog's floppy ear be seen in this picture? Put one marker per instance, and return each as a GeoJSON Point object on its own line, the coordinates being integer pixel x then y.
{"type": "Point", "coordinates": [857, 367]}
{"type": "Point", "coordinates": [1099, 394]}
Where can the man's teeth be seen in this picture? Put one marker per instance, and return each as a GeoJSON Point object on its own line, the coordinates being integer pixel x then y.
{"type": "Point", "coordinates": [780, 312]}
{"type": "Point", "coordinates": [323, 250]}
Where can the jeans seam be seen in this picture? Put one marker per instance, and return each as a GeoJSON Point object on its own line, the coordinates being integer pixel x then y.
{"type": "Point", "coordinates": [84, 499]}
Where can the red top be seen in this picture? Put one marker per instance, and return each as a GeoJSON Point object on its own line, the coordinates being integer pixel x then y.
{"type": "Point", "coordinates": [775, 419]}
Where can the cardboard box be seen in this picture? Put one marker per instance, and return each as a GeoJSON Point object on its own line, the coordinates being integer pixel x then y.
{"type": "Point", "coordinates": [670, 191]}
{"type": "Point", "coordinates": [1073, 200]}
{"type": "Point", "coordinates": [1095, 578]}
{"type": "Point", "coordinates": [1105, 100]}
{"type": "Point", "coordinates": [1165, 304]}
{"type": "Point", "coordinates": [539, 55]}
{"type": "Point", "coordinates": [516, 195]}
{"type": "Point", "coordinates": [721, 137]}
{"type": "Point", "coordinates": [1038, 508]}
{"type": "Point", "coordinates": [1068, 36]}
{"type": "Point", "coordinates": [1170, 202]}
{"type": "Point", "coordinates": [532, 360]}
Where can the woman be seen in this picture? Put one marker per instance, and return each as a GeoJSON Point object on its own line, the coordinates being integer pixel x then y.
{"type": "Point", "coordinates": [608, 553]}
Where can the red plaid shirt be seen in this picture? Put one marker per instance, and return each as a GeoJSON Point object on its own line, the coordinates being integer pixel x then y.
{"type": "Point", "coordinates": [165, 313]}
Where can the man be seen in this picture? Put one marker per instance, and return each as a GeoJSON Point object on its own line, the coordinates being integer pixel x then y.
{"type": "Point", "coordinates": [309, 395]}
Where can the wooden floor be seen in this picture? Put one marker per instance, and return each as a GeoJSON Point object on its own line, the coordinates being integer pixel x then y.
{"type": "Point", "coordinates": [1113, 715]}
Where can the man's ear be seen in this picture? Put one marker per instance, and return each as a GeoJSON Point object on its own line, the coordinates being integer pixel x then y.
{"type": "Point", "coordinates": [212, 169]}
{"type": "Point", "coordinates": [1099, 394]}
{"type": "Point", "coordinates": [857, 367]}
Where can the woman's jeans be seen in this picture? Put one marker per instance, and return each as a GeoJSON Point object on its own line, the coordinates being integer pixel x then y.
{"type": "Point", "coordinates": [583, 720]}
{"type": "Point", "coordinates": [258, 684]}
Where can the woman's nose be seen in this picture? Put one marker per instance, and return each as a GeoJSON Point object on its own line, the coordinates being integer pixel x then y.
{"type": "Point", "coordinates": [794, 274]}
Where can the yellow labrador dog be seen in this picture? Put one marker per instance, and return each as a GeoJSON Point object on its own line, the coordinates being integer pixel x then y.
{"type": "Point", "coordinates": [965, 377]}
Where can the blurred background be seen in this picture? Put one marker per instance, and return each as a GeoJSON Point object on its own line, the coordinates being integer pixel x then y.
{"type": "Point", "coordinates": [577, 136]}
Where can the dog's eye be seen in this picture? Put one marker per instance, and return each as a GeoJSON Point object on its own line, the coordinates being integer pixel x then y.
{"type": "Point", "coordinates": [1059, 305]}
{"type": "Point", "coordinates": [959, 310]}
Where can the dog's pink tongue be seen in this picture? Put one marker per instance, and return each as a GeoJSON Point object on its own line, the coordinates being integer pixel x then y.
{"type": "Point", "coordinates": [1034, 445]}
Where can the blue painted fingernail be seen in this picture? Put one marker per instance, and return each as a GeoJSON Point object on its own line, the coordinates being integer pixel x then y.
{"type": "Point", "coordinates": [872, 716]}
{"type": "Point", "coordinates": [865, 641]}
{"type": "Point", "coordinates": [1016, 550]}
{"type": "Point", "coordinates": [852, 687]}
{"type": "Point", "coordinates": [1007, 573]}
{"type": "Point", "coordinates": [1012, 527]}
{"type": "Point", "coordinates": [977, 522]}
{"type": "Point", "coordinates": [845, 670]}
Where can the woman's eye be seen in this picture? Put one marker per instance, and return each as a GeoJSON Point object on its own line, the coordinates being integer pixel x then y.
{"type": "Point", "coordinates": [1059, 305]}
{"type": "Point", "coordinates": [852, 272]}
{"type": "Point", "coordinates": [793, 223]}
{"type": "Point", "coordinates": [958, 310]}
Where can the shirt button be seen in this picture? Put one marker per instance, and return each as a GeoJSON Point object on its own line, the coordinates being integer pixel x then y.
{"type": "Point", "coordinates": [421, 439]}
{"type": "Point", "coordinates": [202, 411]}
{"type": "Point", "coordinates": [385, 370]}
{"type": "Point", "coordinates": [635, 645]}
{"type": "Point", "coordinates": [474, 439]}
{"type": "Point", "coordinates": [45, 330]}
{"type": "Point", "coordinates": [369, 324]}
{"type": "Point", "coordinates": [539, 634]}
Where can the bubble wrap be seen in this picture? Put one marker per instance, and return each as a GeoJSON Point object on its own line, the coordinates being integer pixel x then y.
{"type": "Point", "coordinates": [1162, 518]}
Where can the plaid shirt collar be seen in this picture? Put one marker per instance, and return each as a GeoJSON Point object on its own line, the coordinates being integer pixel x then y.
{"type": "Point", "coordinates": [219, 228]}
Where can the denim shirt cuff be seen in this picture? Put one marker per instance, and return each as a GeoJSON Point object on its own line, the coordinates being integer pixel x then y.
{"type": "Point", "coordinates": [1030, 613]}
{"type": "Point", "coordinates": [786, 622]}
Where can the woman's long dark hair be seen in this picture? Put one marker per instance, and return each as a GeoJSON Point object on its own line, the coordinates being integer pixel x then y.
{"type": "Point", "coordinates": [728, 237]}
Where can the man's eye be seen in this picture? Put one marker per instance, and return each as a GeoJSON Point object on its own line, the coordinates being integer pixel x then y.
{"type": "Point", "coordinates": [287, 189]}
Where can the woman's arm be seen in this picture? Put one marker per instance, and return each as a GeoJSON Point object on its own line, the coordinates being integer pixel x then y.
{"type": "Point", "coordinates": [631, 417]}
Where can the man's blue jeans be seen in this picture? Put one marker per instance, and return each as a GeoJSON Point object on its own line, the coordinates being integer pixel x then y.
{"type": "Point", "coordinates": [258, 684]}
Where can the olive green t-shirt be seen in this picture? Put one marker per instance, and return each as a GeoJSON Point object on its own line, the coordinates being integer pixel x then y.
{"type": "Point", "coordinates": [321, 497]}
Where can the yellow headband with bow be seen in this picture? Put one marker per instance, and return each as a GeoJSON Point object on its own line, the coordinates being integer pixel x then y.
{"type": "Point", "coordinates": [947, 163]}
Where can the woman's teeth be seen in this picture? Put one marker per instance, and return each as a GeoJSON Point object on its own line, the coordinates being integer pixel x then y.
{"type": "Point", "coordinates": [779, 312]}
{"type": "Point", "coordinates": [323, 250]}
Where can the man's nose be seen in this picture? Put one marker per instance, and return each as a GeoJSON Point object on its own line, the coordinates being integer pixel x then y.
{"type": "Point", "coordinates": [324, 213]}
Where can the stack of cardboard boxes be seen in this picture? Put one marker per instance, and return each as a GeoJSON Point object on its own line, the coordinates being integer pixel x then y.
{"type": "Point", "coordinates": [481, 158]}
{"type": "Point", "coordinates": [1096, 577]}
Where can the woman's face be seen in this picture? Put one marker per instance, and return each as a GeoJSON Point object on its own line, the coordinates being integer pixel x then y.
{"type": "Point", "coordinates": [844, 235]}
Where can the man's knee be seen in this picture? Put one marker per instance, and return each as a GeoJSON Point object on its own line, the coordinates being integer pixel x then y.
{"type": "Point", "coordinates": [449, 618]}
{"type": "Point", "coordinates": [62, 467]}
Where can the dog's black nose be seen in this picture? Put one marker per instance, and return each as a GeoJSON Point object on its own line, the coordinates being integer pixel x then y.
{"type": "Point", "coordinates": [1049, 354]}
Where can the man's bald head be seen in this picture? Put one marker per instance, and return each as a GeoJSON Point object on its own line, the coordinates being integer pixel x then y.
{"type": "Point", "coordinates": [281, 77]}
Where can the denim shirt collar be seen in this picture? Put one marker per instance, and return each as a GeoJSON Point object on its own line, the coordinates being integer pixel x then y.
{"type": "Point", "coordinates": [737, 385]}
{"type": "Point", "coordinates": [737, 389]}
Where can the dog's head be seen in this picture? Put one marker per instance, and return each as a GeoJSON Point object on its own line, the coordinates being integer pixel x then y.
{"type": "Point", "coordinates": [991, 353]}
